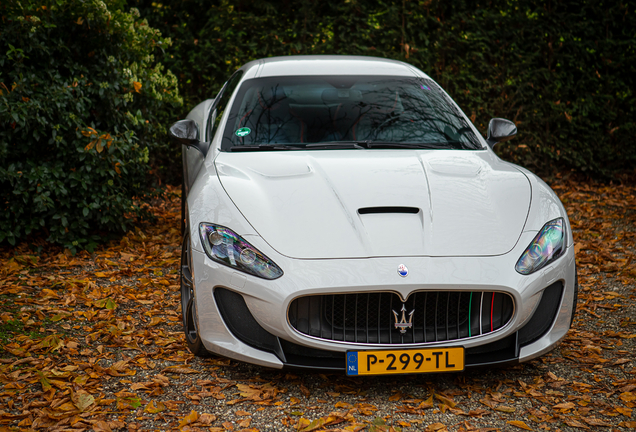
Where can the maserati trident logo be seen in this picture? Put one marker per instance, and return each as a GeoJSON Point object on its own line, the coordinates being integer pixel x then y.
{"type": "Point", "coordinates": [402, 270]}
{"type": "Point", "coordinates": [402, 324]}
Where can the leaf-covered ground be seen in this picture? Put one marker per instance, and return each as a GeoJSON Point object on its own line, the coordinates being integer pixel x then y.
{"type": "Point", "coordinates": [94, 342]}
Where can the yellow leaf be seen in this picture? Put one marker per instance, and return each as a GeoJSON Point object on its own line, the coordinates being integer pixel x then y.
{"type": "Point", "coordinates": [435, 427]}
{"type": "Point", "coordinates": [504, 408]}
{"type": "Point", "coordinates": [519, 424]}
{"type": "Point", "coordinates": [190, 418]}
{"type": "Point", "coordinates": [155, 320]}
{"type": "Point", "coordinates": [155, 407]}
{"type": "Point", "coordinates": [84, 400]}
{"type": "Point", "coordinates": [445, 401]}
{"type": "Point", "coordinates": [137, 86]}
{"type": "Point", "coordinates": [60, 316]}
{"type": "Point", "coordinates": [316, 424]}
{"type": "Point", "coordinates": [99, 147]}
{"type": "Point", "coordinates": [302, 423]}
{"type": "Point", "coordinates": [625, 411]}
{"type": "Point", "coordinates": [44, 381]}
{"type": "Point", "coordinates": [79, 21]}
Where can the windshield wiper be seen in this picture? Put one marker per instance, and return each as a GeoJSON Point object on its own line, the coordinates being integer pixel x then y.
{"type": "Point", "coordinates": [261, 147]}
{"type": "Point", "coordinates": [389, 144]}
{"type": "Point", "coordinates": [336, 145]}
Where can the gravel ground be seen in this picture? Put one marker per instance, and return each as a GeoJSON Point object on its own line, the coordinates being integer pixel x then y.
{"type": "Point", "coordinates": [134, 364]}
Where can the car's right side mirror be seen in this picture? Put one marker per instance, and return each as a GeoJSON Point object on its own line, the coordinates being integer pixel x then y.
{"type": "Point", "coordinates": [500, 130]}
{"type": "Point", "coordinates": [186, 132]}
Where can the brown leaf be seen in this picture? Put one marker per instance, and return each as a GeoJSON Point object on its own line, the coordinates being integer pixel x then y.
{"type": "Point", "coordinates": [305, 391]}
{"type": "Point", "coordinates": [574, 423]}
{"type": "Point", "coordinates": [101, 426]}
{"type": "Point", "coordinates": [595, 422]}
{"type": "Point", "coordinates": [206, 418]}
{"type": "Point", "coordinates": [178, 369]}
{"type": "Point", "coordinates": [564, 406]}
{"type": "Point", "coordinates": [627, 397]}
{"type": "Point", "coordinates": [436, 427]}
{"type": "Point", "coordinates": [519, 424]}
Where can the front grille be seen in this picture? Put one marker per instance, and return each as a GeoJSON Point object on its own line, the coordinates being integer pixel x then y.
{"type": "Point", "coordinates": [371, 318]}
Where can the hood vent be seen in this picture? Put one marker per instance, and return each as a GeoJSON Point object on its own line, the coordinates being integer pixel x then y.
{"type": "Point", "coordinates": [375, 210]}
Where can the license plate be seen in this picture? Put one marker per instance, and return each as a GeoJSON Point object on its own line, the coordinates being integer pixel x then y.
{"type": "Point", "coordinates": [383, 362]}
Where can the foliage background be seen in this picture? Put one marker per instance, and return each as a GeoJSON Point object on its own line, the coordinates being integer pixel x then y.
{"type": "Point", "coordinates": [564, 71]}
{"type": "Point", "coordinates": [85, 98]}
{"type": "Point", "coordinates": [82, 110]}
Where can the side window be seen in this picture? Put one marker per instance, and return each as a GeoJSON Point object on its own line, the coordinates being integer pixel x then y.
{"type": "Point", "coordinates": [221, 103]}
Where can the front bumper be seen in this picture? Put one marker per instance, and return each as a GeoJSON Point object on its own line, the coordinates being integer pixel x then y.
{"type": "Point", "coordinates": [251, 324]}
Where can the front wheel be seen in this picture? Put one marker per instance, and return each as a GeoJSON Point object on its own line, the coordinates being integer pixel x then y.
{"type": "Point", "coordinates": [195, 345]}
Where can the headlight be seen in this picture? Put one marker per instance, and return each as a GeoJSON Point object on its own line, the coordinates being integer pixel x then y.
{"type": "Point", "coordinates": [226, 247]}
{"type": "Point", "coordinates": [547, 246]}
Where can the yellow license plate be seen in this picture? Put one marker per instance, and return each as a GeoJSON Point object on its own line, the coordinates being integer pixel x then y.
{"type": "Point", "coordinates": [383, 362]}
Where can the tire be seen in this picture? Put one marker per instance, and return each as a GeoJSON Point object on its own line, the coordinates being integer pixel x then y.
{"type": "Point", "coordinates": [193, 341]}
{"type": "Point", "coordinates": [183, 203]}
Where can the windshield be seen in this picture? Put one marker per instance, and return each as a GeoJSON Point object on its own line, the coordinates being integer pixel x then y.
{"type": "Point", "coordinates": [316, 112]}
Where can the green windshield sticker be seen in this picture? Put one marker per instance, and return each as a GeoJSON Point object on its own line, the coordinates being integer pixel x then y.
{"type": "Point", "coordinates": [243, 132]}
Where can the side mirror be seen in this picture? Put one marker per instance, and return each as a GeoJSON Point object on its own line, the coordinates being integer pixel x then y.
{"type": "Point", "coordinates": [500, 130]}
{"type": "Point", "coordinates": [186, 132]}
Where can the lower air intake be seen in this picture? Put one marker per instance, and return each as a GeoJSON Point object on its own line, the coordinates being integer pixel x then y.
{"type": "Point", "coordinates": [382, 318]}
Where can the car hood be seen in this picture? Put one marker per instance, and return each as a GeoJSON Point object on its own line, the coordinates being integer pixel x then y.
{"type": "Point", "coordinates": [373, 203]}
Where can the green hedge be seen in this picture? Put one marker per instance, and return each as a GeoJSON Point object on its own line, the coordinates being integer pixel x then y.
{"type": "Point", "coordinates": [82, 102]}
{"type": "Point", "coordinates": [565, 70]}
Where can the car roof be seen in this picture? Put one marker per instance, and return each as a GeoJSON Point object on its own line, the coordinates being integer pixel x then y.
{"type": "Point", "coordinates": [329, 65]}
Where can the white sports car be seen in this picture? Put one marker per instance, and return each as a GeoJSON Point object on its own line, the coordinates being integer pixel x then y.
{"type": "Point", "coordinates": [342, 213]}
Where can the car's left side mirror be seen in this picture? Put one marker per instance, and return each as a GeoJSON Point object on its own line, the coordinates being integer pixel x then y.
{"type": "Point", "coordinates": [186, 132]}
{"type": "Point", "coordinates": [500, 130]}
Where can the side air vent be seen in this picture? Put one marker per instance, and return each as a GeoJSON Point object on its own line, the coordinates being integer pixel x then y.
{"type": "Point", "coordinates": [374, 210]}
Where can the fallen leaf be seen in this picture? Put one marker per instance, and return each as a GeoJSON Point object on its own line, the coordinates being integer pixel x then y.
{"type": "Point", "coordinates": [177, 369]}
{"type": "Point", "coordinates": [155, 407]}
{"type": "Point", "coordinates": [190, 418]}
{"type": "Point", "coordinates": [519, 424]}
